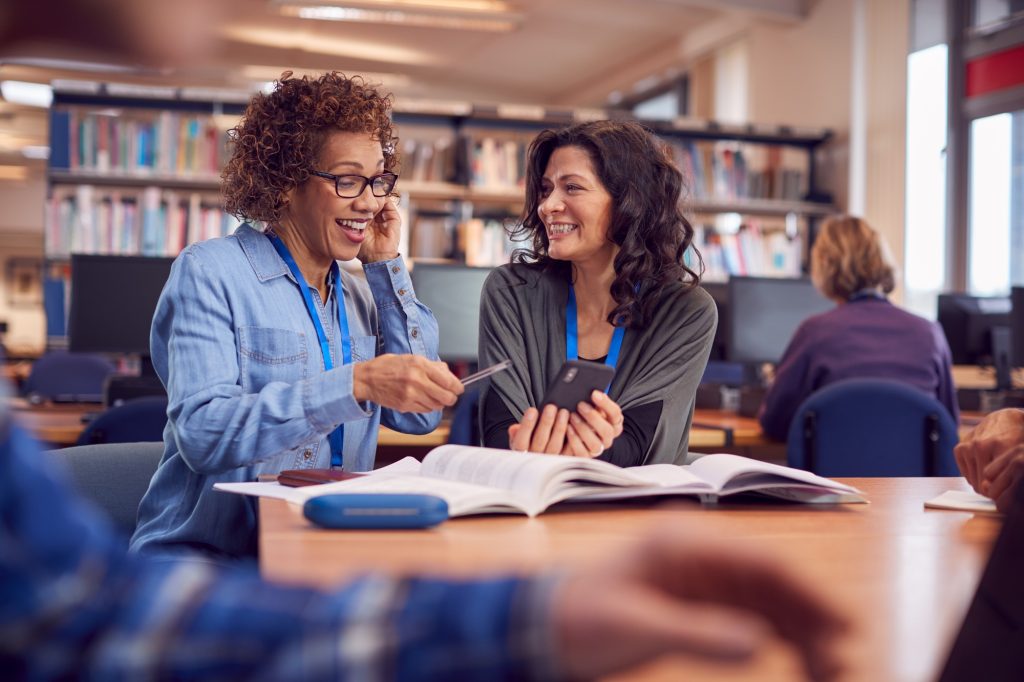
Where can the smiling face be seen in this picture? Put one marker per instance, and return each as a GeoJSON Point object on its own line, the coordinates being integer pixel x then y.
{"type": "Point", "coordinates": [576, 209]}
{"type": "Point", "coordinates": [319, 225]}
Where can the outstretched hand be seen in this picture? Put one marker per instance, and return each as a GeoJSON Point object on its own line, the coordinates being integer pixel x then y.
{"type": "Point", "coordinates": [682, 593]}
{"type": "Point", "coordinates": [407, 383]}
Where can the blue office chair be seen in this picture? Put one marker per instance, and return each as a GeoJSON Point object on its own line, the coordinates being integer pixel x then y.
{"type": "Point", "coordinates": [59, 375]}
{"type": "Point", "coordinates": [114, 476]}
{"type": "Point", "coordinates": [464, 425]}
{"type": "Point", "coordinates": [135, 421]}
{"type": "Point", "coordinates": [872, 427]}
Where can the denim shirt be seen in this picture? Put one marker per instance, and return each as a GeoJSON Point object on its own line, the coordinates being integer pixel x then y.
{"type": "Point", "coordinates": [235, 347]}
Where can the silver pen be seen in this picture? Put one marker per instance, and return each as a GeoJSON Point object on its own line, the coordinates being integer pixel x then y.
{"type": "Point", "coordinates": [484, 373]}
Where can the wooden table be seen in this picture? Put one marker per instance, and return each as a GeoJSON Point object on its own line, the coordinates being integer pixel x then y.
{"type": "Point", "coordinates": [905, 575]}
{"type": "Point", "coordinates": [60, 424]}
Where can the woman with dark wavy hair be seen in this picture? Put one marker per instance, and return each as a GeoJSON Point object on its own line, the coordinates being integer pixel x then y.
{"type": "Point", "coordinates": [605, 280]}
{"type": "Point", "coordinates": [272, 356]}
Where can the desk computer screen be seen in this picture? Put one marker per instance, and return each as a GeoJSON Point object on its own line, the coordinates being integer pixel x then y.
{"type": "Point", "coordinates": [112, 302]}
{"type": "Point", "coordinates": [763, 313]}
{"type": "Point", "coordinates": [452, 292]}
{"type": "Point", "coordinates": [968, 323]}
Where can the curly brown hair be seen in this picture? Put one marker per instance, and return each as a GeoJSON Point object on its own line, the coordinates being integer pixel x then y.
{"type": "Point", "coordinates": [278, 140]}
{"type": "Point", "coordinates": [647, 223]}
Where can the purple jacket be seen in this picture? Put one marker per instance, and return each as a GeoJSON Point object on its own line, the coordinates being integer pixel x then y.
{"type": "Point", "coordinates": [865, 338]}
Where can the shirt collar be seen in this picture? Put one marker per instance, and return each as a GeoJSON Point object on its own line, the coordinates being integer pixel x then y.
{"type": "Point", "coordinates": [263, 258]}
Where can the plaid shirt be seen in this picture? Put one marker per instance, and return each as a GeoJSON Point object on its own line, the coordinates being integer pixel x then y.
{"type": "Point", "coordinates": [72, 604]}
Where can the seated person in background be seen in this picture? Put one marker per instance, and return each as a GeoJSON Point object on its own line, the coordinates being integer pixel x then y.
{"type": "Point", "coordinates": [991, 457]}
{"type": "Point", "coordinates": [74, 605]}
{"type": "Point", "coordinates": [605, 280]}
{"type": "Point", "coordinates": [864, 336]}
{"type": "Point", "coordinates": [270, 352]}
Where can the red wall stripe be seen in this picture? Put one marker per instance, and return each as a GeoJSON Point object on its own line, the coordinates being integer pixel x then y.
{"type": "Point", "coordinates": [996, 71]}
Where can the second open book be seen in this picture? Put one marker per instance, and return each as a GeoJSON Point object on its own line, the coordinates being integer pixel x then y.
{"type": "Point", "coordinates": [483, 480]}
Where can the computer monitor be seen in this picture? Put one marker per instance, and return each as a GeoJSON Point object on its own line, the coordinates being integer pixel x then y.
{"type": "Point", "coordinates": [763, 313]}
{"type": "Point", "coordinates": [452, 292]}
{"type": "Point", "coordinates": [720, 293]}
{"type": "Point", "coordinates": [968, 323]}
{"type": "Point", "coordinates": [1017, 325]}
{"type": "Point", "coordinates": [112, 302]}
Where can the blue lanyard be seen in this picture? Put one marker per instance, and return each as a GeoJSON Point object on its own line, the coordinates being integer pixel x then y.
{"type": "Point", "coordinates": [572, 334]}
{"type": "Point", "coordinates": [337, 437]}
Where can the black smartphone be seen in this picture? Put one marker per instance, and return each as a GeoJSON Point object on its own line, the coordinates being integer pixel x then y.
{"type": "Point", "coordinates": [575, 381]}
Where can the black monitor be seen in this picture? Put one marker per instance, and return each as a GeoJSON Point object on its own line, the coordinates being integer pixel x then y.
{"type": "Point", "coordinates": [452, 292]}
{"type": "Point", "coordinates": [112, 302]}
{"type": "Point", "coordinates": [720, 293]}
{"type": "Point", "coordinates": [763, 313]}
{"type": "Point", "coordinates": [971, 323]}
{"type": "Point", "coordinates": [1017, 325]}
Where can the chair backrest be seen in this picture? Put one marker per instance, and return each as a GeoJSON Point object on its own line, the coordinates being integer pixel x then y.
{"type": "Point", "coordinates": [464, 429]}
{"type": "Point", "coordinates": [113, 476]}
{"type": "Point", "coordinates": [872, 427]}
{"type": "Point", "coordinates": [70, 376]}
{"type": "Point", "coordinates": [134, 421]}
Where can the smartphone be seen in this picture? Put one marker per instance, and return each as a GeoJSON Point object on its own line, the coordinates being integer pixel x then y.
{"type": "Point", "coordinates": [574, 383]}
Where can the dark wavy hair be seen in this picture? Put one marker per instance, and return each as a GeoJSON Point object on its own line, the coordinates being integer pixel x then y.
{"type": "Point", "coordinates": [279, 139]}
{"type": "Point", "coordinates": [647, 223]}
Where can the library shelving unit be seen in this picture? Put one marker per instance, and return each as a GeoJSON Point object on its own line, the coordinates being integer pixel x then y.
{"type": "Point", "coordinates": [135, 170]}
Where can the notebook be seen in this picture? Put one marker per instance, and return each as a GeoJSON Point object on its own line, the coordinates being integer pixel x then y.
{"type": "Point", "coordinates": [990, 644]}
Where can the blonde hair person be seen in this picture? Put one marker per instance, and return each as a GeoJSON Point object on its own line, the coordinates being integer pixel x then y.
{"type": "Point", "coordinates": [865, 335]}
{"type": "Point", "coordinates": [849, 257]}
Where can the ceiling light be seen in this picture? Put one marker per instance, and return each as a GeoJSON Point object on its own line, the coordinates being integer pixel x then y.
{"type": "Point", "coordinates": [29, 94]}
{"type": "Point", "coordinates": [467, 15]}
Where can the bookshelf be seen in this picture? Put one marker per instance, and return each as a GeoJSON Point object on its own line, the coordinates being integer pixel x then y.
{"type": "Point", "coordinates": [135, 170]}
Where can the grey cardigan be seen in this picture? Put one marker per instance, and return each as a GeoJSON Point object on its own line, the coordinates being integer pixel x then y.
{"type": "Point", "coordinates": [522, 318]}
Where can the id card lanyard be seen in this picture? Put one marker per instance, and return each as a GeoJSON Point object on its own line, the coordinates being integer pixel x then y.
{"type": "Point", "coordinates": [337, 437]}
{"type": "Point", "coordinates": [572, 334]}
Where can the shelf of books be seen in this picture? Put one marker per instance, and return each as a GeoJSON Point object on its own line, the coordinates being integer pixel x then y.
{"type": "Point", "coordinates": [135, 170]}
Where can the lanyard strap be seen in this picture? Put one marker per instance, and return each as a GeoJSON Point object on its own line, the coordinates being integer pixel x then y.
{"type": "Point", "coordinates": [337, 437]}
{"type": "Point", "coordinates": [572, 334]}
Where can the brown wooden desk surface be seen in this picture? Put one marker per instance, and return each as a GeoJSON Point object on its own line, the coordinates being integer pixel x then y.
{"type": "Point", "coordinates": [904, 574]}
{"type": "Point", "coordinates": [61, 424]}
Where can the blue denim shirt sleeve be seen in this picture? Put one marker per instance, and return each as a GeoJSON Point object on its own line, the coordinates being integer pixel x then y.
{"type": "Point", "coordinates": [406, 326]}
{"type": "Point", "coordinates": [74, 605]}
{"type": "Point", "coordinates": [217, 424]}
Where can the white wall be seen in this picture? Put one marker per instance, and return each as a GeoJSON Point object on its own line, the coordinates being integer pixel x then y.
{"type": "Point", "coordinates": [21, 236]}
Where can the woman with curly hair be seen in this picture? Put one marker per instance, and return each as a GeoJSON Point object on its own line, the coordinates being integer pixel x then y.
{"type": "Point", "coordinates": [863, 336]}
{"type": "Point", "coordinates": [606, 281]}
{"type": "Point", "coordinates": [272, 356]}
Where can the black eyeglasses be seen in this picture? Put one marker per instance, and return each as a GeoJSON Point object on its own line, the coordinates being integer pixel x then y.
{"type": "Point", "coordinates": [351, 186]}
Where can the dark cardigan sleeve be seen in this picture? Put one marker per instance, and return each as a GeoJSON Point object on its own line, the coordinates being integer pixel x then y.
{"type": "Point", "coordinates": [629, 449]}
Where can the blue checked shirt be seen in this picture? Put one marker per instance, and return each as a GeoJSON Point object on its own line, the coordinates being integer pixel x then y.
{"type": "Point", "coordinates": [73, 605]}
{"type": "Point", "coordinates": [233, 343]}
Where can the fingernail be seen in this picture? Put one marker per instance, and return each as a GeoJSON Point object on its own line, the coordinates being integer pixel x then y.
{"type": "Point", "coordinates": [583, 407]}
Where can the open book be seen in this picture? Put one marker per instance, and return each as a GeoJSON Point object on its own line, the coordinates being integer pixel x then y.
{"type": "Point", "coordinates": [483, 480]}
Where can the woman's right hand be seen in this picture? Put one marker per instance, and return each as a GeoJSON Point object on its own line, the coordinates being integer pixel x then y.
{"type": "Point", "coordinates": [540, 431]}
{"type": "Point", "coordinates": [406, 383]}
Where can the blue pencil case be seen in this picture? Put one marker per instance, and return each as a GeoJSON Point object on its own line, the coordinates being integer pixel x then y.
{"type": "Point", "coordinates": [363, 511]}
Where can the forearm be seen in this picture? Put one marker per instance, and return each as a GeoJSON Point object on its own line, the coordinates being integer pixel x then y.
{"type": "Point", "coordinates": [406, 327]}
{"type": "Point", "coordinates": [222, 428]}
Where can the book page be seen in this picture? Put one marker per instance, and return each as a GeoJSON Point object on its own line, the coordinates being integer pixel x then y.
{"type": "Point", "coordinates": [732, 474]}
{"type": "Point", "coordinates": [541, 479]}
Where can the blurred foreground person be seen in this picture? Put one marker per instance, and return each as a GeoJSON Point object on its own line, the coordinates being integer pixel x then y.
{"type": "Point", "coordinates": [991, 457]}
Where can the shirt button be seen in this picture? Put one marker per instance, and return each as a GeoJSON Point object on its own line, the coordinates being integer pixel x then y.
{"type": "Point", "coordinates": [401, 292]}
{"type": "Point", "coordinates": [415, 333]}
{"type": "Point", "coordinates": [395, 269]}
{"type": "Point", "coordinates": [307, 454]}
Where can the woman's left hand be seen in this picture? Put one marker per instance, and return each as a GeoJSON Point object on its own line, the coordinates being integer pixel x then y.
{"type": "Point", "coordinates": [381, 241]}
{"type": "Point", "coordinates": [593, 427]}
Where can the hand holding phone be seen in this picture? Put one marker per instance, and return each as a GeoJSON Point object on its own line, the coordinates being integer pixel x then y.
{"type": "Point", "coordinates": [574, 383]}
